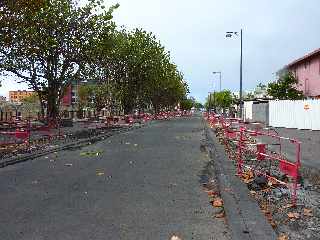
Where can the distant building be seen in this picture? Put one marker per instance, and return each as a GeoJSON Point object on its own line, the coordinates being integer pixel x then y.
{"type": "Point", "coordinates": [18, 96]}
{"type": "Point", "coordinates": [307, 70]}
{"type": "Point", "coordinates": [3, 99]}
{"type": "Point", "coordinates": [70, 98]}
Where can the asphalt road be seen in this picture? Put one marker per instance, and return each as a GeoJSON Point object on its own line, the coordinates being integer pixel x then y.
{"type": "Point", "coordinates": [144, 185]}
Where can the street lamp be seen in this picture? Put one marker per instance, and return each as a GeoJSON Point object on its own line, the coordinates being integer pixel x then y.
{"type": "Point", "coordinates": [230, 35]}
{"type": "Point", "coordinates": [219, 79]}
{"type": "Point", "coordinates": [209, 103]}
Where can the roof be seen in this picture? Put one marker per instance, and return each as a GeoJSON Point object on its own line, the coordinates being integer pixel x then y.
{"type": "Point", "coordinates": [309, 55]}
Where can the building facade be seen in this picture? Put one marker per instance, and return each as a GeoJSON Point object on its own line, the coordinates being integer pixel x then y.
{"type": "Point", "coordinates": [18, 96]}
{"type": "Point", "coordinates": [3, 99]}
{"type": "Point", "coordinates": [307, 70]}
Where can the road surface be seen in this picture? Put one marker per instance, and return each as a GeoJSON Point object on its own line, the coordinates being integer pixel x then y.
{"type": "Point", "coordinates": [144, 184]}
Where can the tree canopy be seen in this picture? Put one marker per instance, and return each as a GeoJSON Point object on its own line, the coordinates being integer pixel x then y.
{"type": "Point", "coordinates": [50, 44]}
{"type": "Point", "coordinates": [222, 100]}
{"type": "Point", "coordinates": [285, 88]}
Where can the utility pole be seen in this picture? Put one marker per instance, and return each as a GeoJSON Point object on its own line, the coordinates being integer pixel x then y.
{"type": "Point", "coordinates": [241, 102]}
{"type": "Point", "coordinates": [229, 35]}
{"type": "Point", "coordinates": [209, 105]}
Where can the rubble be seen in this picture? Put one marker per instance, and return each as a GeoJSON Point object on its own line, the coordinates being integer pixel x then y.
{"type": "Point", "coordinates": [300, 221]}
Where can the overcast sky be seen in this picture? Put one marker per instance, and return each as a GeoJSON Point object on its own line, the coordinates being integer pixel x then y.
{"type": "Point", "coordinates": [274, 33]}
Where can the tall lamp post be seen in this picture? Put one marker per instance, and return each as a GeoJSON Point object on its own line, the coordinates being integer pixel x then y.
{"type": "Point", "coordinates": [230, 35]}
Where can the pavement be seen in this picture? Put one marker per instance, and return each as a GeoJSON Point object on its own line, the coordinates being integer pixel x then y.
{"type": "Point", "coordinates": [142, 184]}
{"type": "Point", "coordinates": [243, 213]}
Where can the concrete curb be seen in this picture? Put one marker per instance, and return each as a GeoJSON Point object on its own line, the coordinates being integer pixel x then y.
{"type": "Point", "coordinates": [80, 143]}
{"type": "Point", "coordinates": [243, 214]}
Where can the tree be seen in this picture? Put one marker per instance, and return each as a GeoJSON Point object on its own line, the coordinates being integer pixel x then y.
{"type": "Point", "coordinates": [198, 105]}
{"type": "Point", "coordinates": [285, 88]}
{"type": "Point", "coordinates": [250, 96]}
{"type": "Point", "coordinates": [186, 104]}
{"type": "Point", "coordinates": [48, 43]}
{"type": "Point", "coordinates": [33, 99]}
{"type": "Point", "coordinates": [223, 100]}
{"type": "Point", "coordinates": [141, 72]}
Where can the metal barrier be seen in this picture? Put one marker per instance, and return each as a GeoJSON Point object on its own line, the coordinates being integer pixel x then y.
{"type": "Point", "coordinates": [253, 150]}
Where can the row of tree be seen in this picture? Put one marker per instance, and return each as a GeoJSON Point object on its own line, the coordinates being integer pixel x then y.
{"type": "Point", "coordinates": [285, 88]}
{"type": "Point", "coordinates": [50, 44]}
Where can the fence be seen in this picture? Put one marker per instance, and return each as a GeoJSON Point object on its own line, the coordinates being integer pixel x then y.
{"type": "Point", "coordinates": [301, 114]}
{"type": "Point", "coordinates": [251, 152]}
{"type": "Point", "coordinates": [20, 137]}
{"type": "Point", "coordinates": [260, 112]}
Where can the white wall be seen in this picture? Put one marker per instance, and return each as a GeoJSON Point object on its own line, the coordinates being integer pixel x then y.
{"type": "Point", "coordinates": [247, 111]}
{"type": "Point", "coordinates": [294, 114]}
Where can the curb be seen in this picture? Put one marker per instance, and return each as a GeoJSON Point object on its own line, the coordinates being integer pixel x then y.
{"type": "Point", "coordinates": [80, 143]}
{"type": "Point", "coordinates": [243, 214]}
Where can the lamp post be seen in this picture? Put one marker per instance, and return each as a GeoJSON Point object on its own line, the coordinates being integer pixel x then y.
{"type": "Point", "coordinates": [219, 79]}
{"type": "Point", "coordinates": [229, 35]}
{"type": "Point", "coordinates": [209, 104]}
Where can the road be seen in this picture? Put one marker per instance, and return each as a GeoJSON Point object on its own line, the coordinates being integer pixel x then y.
{"type": "Point", "coordinates": [145, 184]}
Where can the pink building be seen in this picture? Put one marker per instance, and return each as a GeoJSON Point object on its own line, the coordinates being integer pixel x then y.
{"type": "Point", "coordinates": [307, 70]}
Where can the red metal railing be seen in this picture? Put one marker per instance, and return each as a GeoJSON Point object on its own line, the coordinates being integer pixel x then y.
{"type": "Point", "coordinates": [242, 143]}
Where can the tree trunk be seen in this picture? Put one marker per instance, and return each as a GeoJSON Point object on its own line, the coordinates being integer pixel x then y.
{"type": "Point", "coordinates": [53, 105]}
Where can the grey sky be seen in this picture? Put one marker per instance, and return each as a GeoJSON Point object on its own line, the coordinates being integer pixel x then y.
{"type": "Point", "coordinates": [275, 33]}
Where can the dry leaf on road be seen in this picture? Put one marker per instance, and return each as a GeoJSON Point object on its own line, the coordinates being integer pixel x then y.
{"type": "Point", "coordinates": [217, 202]}
{"type": "Point", "coordinates": [307, 212]}
{"type": "Point", "coordinates": [175, 237]}
{"type": "Point", "coordinates": [283, 236]}
{"type": "Point", "coordinates": [293, 215]}
{"type": "Point", "coordinates": [219, 215]}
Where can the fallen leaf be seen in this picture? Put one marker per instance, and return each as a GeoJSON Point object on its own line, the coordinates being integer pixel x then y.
{"type": "Point", "coordinates": [283, 236]}
{"type": "Point", "coordinates": [290, 205]}
{"type": "Point", "coordinates": [293, 215]}
{"type": "Point", "coordinates": [273, 224]}
{"type": "Point", "coordinates": [91, 153]}
{"type": "Point", "coordinates": [175, 237]}
{"type": "Point", "coordinates": [248, 180]}
{"type": "Point", "coordinates": [307, 212]}
{"type": "Point", "coordinates": [100, 173]}
{"type": "Point", "coordinates": [217, 202]}
{"type": "Point", "coordinates": [219, 215]}
{"type": "Point", "coordinates": [68, 164]}
{"type": "Point", "coordinates": [211, 193]}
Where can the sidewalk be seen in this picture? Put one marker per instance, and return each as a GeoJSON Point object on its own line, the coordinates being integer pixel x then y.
{"type": "Point", "coordinates": [243, 213]}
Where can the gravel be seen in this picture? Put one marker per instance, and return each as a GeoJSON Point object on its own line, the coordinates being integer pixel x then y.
{"type": "Point", "coordinates": [296, 222]}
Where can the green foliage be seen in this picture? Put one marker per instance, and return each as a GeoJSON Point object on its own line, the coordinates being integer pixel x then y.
{"type": "Point", "coordinates": [284, 88]}
{"type": "Point", "coordinates": [186, 104]}
{"type": "Point", "coordinates": [249, 96]}
{"type": "Point", "coordinates": [141, 71]}
{"type": "Point", "coordinates": [49, 44]}
{"type": "Point", "coordinates": [222, 100]}
{"type": "Point", "coordinates": [198, 105]}
{"type": "Point", "coordinates": [34, 98]}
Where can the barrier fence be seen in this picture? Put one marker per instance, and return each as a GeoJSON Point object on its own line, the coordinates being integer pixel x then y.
{"type": "Point", "coordinates": [259, 153]}
{"type": "Point", "coordinates": [19, 137]}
